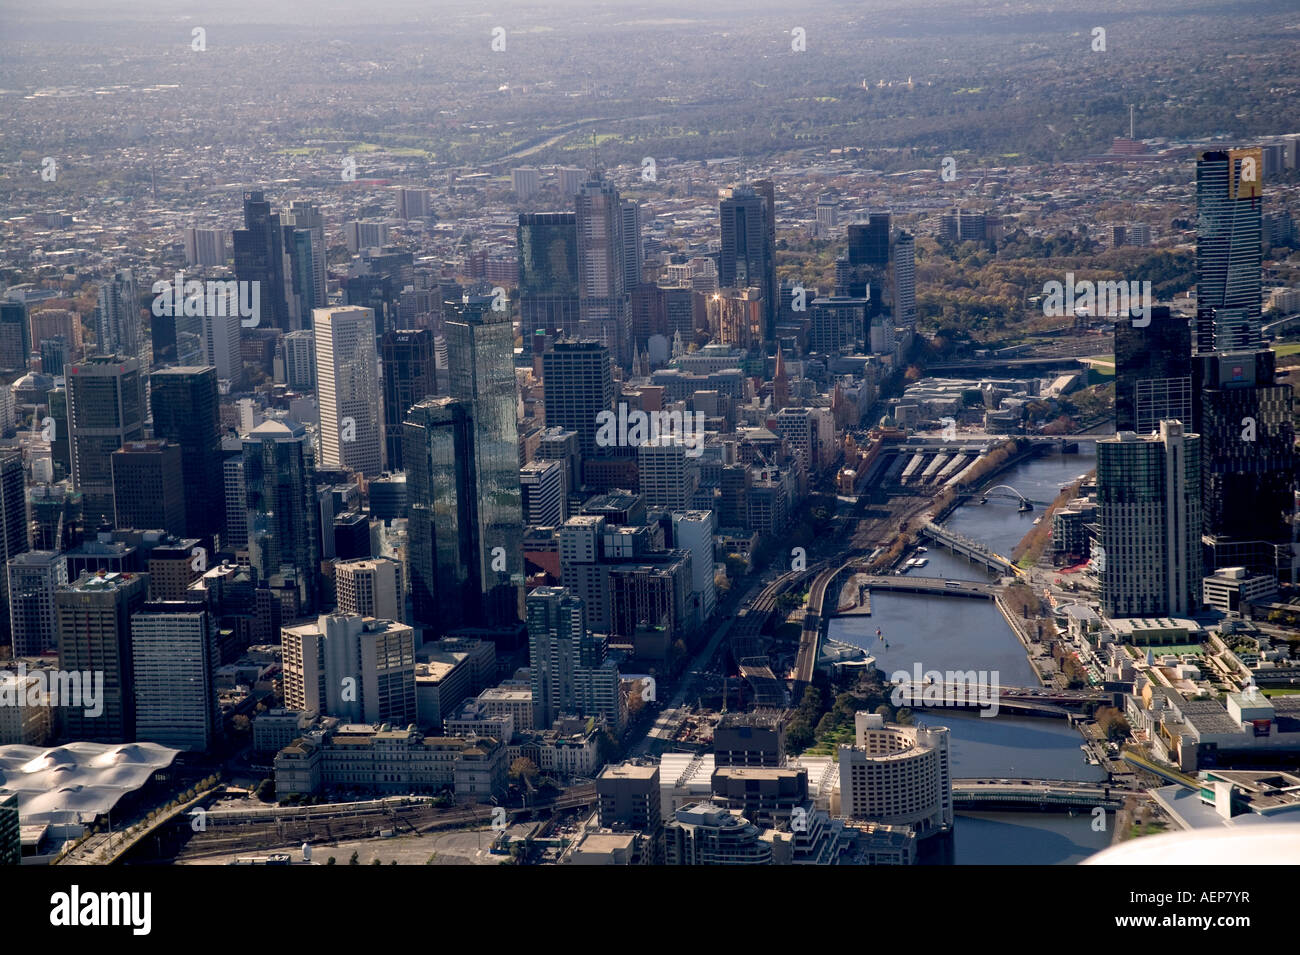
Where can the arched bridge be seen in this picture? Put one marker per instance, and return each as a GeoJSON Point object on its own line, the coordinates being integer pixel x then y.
{"type": "Point", "coordinates": [1007, 492]}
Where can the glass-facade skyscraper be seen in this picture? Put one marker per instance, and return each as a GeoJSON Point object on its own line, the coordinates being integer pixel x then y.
{"type": "Point", "coordinates": [1246, 423]}
{"type": "Point", "coordinates": [548, 273]}
{"type": "Point", "coordinates": [1229, 198]}
{"type": "Point", "coordinates": [1153, 372]}
{"type": "Point", "coordinates": [481, 373]}
{"type": "Point", "coordinates": [259, 257]}
{"type": "Point", "coordinates": [410, 375]}
{"type": "Point", "coordinates": [605, 301]}
{"type": "Point", "coordinates": [283, 518]}
{"type": "Point", "coordinates": [441, 504]}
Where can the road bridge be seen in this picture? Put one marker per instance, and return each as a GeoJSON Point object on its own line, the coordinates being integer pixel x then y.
{"type": "Point", "coordinates": [1038, 793]}
{"type": "Point", "coordinates": [926, 585]}
{"type": "Point", "coordinates": [971, 550]}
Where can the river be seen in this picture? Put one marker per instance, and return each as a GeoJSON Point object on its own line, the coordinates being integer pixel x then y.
{"type": "Point", "coordinates": [956, 633]}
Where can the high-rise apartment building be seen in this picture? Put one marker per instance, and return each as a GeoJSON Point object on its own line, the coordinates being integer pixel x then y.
{"type": "Point", "coordinates": [1248, 436]}
{"type": "Point", "coordinates": [667, 477]}
{"type": "Point", "coordinates": [693, 532]}
{"type": "Point", "coordinates": [542, 484]}
{"type": "Point", "coordinates": [371, 587]}
{"type": "Point", "coordinates": [346, 365]}
{"type": "Point", "coordinates": [359, 669]}
{"type": "Point", "coordinates": [414, 203]}
{"type": "Point", "coordinates": [1149, 508]}
{"type": "Point", "coordinates": [903, 274]}
{"type": "Point", "coordinates": [15, 343]}
{"type": "Point", "coordinates": [569, 672]}
{"type": "Point", "coordinates": [205, 247]}
{"type": "Point", "coordinates": [897, 775]}
{"type": "Point", "coordinates": [120, 322]}
{"type": "Point", "coordinates": [525, 181]}
{"type": "Point", "coordinates": [633, 251]}
{"type": "Point", "coordinates": [105, 411]}
{"type": "Point", "coordinates": [298, 351]}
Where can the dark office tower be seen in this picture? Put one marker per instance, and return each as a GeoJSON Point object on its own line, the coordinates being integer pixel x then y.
{"type": "Point", "coordinates": [409, 376]}
{"type": "Point", "coordinates": [578, 385]}
{"type": "Point", "coordinates": [181, 339]}
{"type": "Point", "coordinates": [1153, 372]}
{"type": "Point", "coordinates": [604, 305]}
{"type": "Point", "coordinates": [60, 443]}
{"type": "Point", "coordinates": [733, 503]}
{"type": "Point", "coordinates": [442, 550]}
{"type": "Point", "coordinates": [13, 517]}
{"type": "Point", "coordinates": [149, 487]}
{"type": "Point", "coordinates": [869, 241]}
{"type": "Point", "coordinates": [14, 332]}
{"type": "Point", "coordinates": [105, 411]}
{"type": "Point", "coordinates": [300, 283]}
{"type": "Point", "coordinates": [633, 254]}
{"type": "Point", "coordinates": [186, 412]}
{"type": "Point", "coordinates": [120, 324]}
{"type": "Point", "coordinates": [481, 373]}
{"type": "Point", "coordinates": [56, 516]}
{"type": "Point", "coordinates": [1229, 196]}
{"type": "Point", "coordinates": [679, 313]}
{"type": "Point", "coordinates": [378, 279]}
{"type": "Point", "coordinates": [308, 256]}
{"type": "Point", "coordinates": [866, 272]}
{"type": "Point", "coordinates": [55, 353]}
{"type": "Point", "coordinates": [94, 624]}
{"type": "Point", "coordinates": [748, 257]}
{"type": "Point", "coordinates": [548, 274]}
{"type": "Point", "coordinates": [1248, 436]}
{"type": "Point", "coordinates": [283, 519]}
{"type": "Point", "coordinates": [259, 257]}
{"type": "Point", "coordinates": [11, 831]}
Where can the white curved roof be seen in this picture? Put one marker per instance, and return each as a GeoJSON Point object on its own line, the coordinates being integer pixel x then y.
{"type": "Point", "coordinates": [77, 781]}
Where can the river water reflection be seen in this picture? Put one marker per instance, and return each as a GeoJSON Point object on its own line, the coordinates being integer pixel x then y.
{"type": "Point", "coordinates": [954, 633]}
